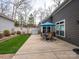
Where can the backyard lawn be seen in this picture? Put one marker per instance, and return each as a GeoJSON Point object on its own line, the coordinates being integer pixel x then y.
{"type": "Point", "coordinates": [13, 44]}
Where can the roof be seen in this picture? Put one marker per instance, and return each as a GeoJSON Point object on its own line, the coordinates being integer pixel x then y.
{"type": "Point", "coordinates": [57, 10]}
{"type": "Point", "coordinates": [48, 19]}
{"type": "Point", "coordinates": [48, 24]}
{"type": "Point", "coordinates": [6, 17]}
{"type": "Point", "coordinates": [66, 2]}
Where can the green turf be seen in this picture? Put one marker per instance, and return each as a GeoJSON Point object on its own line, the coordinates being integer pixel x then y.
{"type": "Point", "coordinates": [13, 44]}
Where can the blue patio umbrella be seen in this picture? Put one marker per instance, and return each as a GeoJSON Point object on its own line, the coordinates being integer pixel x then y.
{"type": "Point", "coordinates": [47, 27]}
{"type": "Point", "coordinates": [48, 24]}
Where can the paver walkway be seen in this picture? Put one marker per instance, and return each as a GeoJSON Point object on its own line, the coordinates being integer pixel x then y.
{"type": "Point", "coordinates": [36, 48]}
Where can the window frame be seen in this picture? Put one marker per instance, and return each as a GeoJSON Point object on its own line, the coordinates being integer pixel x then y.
{"type": "Point", "coordinates": [59, 23]}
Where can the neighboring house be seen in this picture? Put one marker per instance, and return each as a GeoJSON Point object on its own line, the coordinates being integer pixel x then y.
{"type": "Point", "coordinates": [23, 29]}
{"type": "Point", "coordinates": [34, 30]}
{"type": "Point", "coordinates": [6, 23]}
{"type": "Point", "coordinates": [66, 19]}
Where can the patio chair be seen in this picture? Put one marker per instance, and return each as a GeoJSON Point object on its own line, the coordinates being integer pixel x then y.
{"type": "Point", "coordinates": [49, 36]}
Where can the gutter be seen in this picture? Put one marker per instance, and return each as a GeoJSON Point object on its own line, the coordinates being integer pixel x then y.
{"type": "Point", "coordinates": [7, 18]}
{"type": "Point", "coordinates": [61, 7]}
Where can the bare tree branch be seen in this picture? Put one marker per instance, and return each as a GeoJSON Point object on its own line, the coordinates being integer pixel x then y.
{"type": "Point", "coordinates": [18, 5]}
{"type": "Point", "coordinates": [58, 2]}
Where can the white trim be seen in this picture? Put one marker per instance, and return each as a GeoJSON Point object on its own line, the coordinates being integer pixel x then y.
{"type": "Point", "coordinates": [64, 28]}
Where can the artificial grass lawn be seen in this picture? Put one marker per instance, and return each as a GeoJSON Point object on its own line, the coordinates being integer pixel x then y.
{"type": "Point", "coordinates": [13, 44]}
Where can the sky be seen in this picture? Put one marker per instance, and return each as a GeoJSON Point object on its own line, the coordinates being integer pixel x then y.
{"type": "Point", "coordinates": [40, 3]}
{"type": "Point", "coordinates": [36, 4]}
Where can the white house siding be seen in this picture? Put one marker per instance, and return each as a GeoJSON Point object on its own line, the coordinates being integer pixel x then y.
{"type": "Point", "coordinates": [22, 30]}
{"type": "Point", "coordinates": [6, 24]}
{"type": "Point", "coordinates": [34, 31]}
{"type": "Point", "coordinates": [27, 30]}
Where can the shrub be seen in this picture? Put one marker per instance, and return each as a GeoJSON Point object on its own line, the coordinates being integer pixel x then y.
{"type": "Point", "coordinates": [1, 35]}
{"type": "Point", "coordinates": [6, 33]}
{"type": "Point", "coordinates": [24, 33]}
{"type": "Point", "coordinates": [18, 32]}
{"type": "Point", "coordinates": [13, 33]}
{"type": "Point", "coordinates": [16, 23]}
{"type": "Point", "coordinates": [29, 34]}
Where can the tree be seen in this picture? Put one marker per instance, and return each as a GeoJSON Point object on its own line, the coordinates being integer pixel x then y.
{"type": "Point", "coordinates": [46, 12]}
{"type": "Point", "coordinates": [4, 6]}
{"type": "Point", "coordinates": [24, 9]}
{"type": "Point", "coordinates": [22, 12]}
{"type": "Point", "coordinates": [49, 10]}
{"type": "Point", "coordinates": [41, 13]}
{"type": "Point", "coordinates": [57, 2]}
{"type": "Point", "coordinates": [20, 5]}
{"type": "Point", "coordinates": [31, 20]}
{"type": "Point", "coordinates": [21, 19]}
{"type": "Point", "coordinates": [16, 23]}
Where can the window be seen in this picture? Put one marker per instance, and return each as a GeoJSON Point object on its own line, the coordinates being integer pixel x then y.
{"type": "Point", "coordinates": [60, 28]}
{"type": "Point", "coordinates": [57, 32]}
{"type": "Point", "coordinates": [57, 27]}
{"type": "Point", "coordinates": [61, 33]}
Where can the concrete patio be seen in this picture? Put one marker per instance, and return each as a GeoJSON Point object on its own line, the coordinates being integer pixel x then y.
{"type": "Point", "coordinates": [37, 48]}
